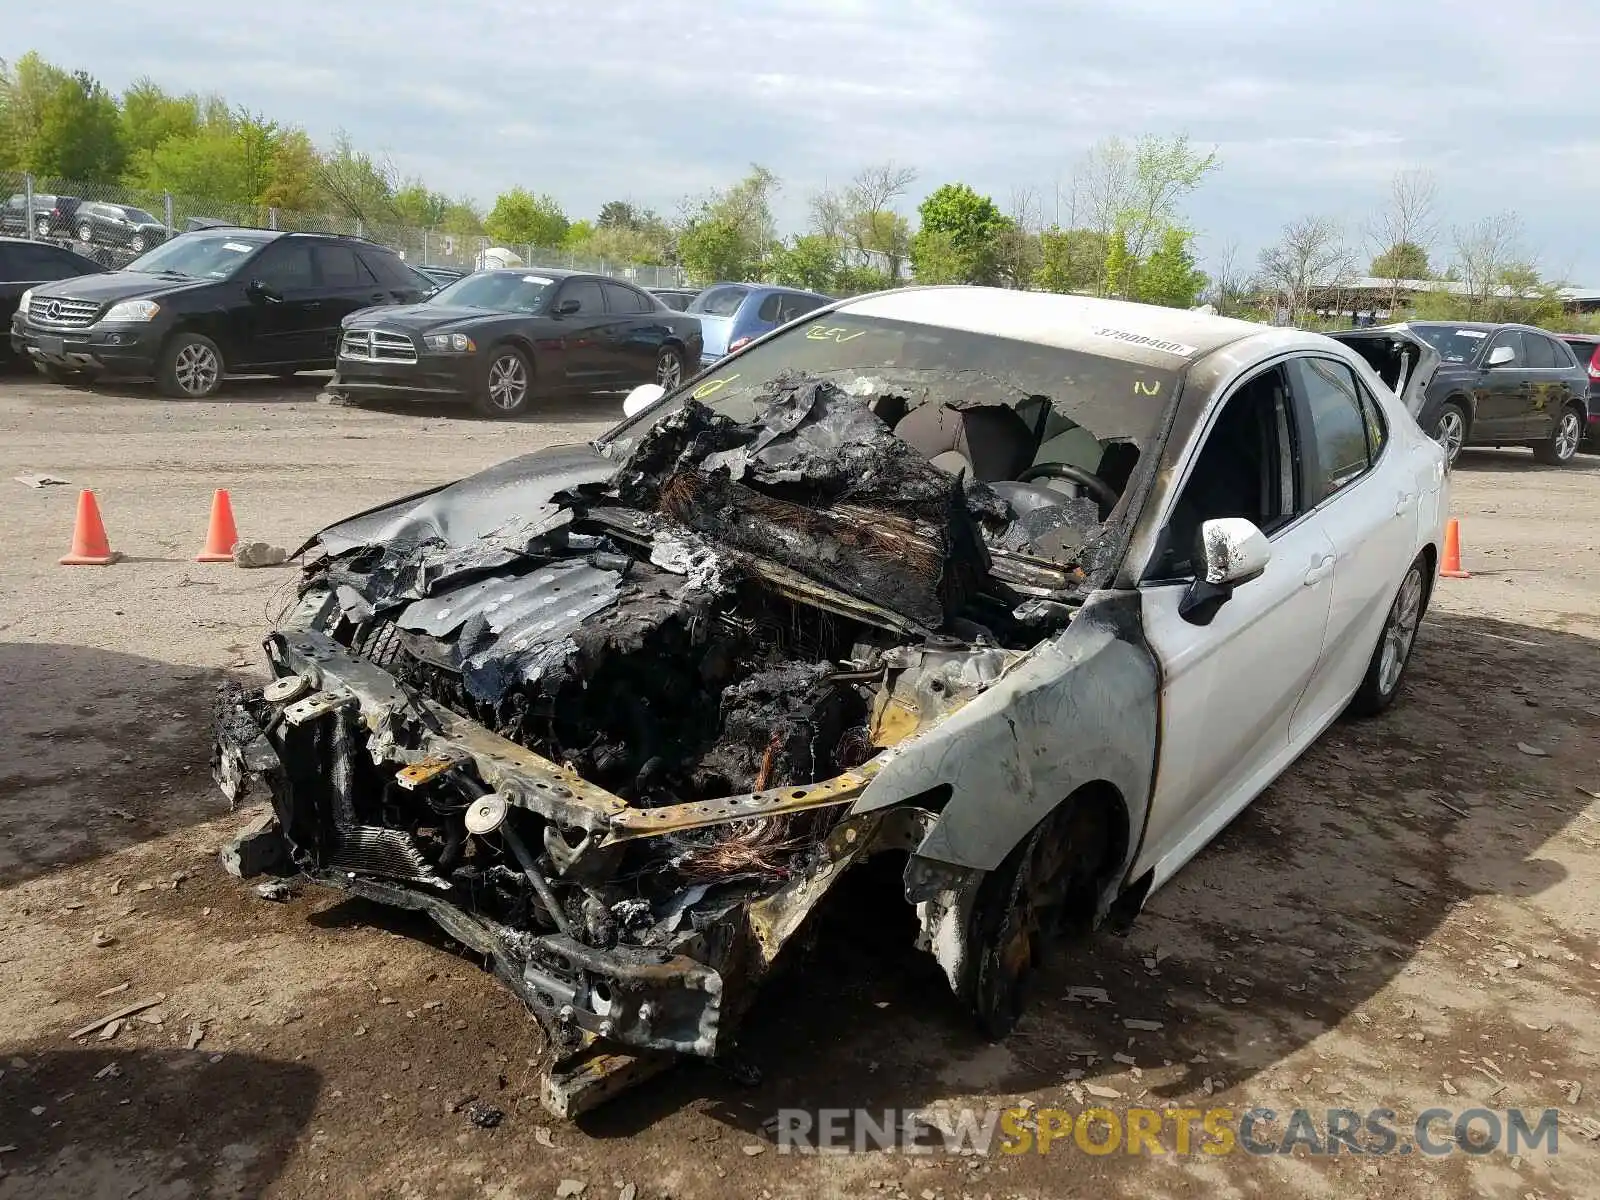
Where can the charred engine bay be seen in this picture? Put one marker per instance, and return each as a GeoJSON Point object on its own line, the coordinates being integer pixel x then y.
{"type": "Point", "coordinates": [721, 617]}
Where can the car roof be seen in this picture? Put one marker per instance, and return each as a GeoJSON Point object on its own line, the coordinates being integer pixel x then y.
{"type": "Point", "coordinates": [1109, 328]}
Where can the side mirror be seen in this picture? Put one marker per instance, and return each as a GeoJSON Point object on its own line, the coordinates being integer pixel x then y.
{"type": "Point", "coordinates": [1230, 551]}
{"type": "Point", "coordinates": [566, 308]}
{"type": "Point", "coordinates": [641, 398]}
{"type": "Point", "coordinates": [260, 291]}
{"type": "Point", "coordinates": [1501, 355]}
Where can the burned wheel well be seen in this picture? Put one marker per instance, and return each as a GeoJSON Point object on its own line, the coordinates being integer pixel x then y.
{"type": "Point", "coordinates": [1096, 819]}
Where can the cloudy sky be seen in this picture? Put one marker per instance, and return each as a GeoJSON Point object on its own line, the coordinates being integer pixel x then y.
{"type": "Point", "coordinates": [1312, 105]}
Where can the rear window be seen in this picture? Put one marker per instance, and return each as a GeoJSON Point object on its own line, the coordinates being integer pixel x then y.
{"type": "Point", "coordinates": [719, 302]}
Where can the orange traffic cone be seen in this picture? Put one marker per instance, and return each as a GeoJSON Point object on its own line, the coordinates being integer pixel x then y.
{"type": "Point", "coordinates": [221, 536]}
{"type": "Point", "coordinates": [89, 545]}
{"type": "Point", "coordinates": [1452, 552]}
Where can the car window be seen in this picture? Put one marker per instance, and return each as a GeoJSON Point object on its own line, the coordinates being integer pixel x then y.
{"type": "Point", "coordinates": [1338, 423]}
{"type": "Point", "coordinates": [391, 271]}
{"type": "Point", "coordinates": [719, 302]}
{"type": "Point", "coordinates": [1587, 352]}
{"type": "Point", "coordinates": [587, 293]}
{"type": "Point", "coordinates": [1540, 353]}
{"type": "Point", "coordinates": [624, 300]}
{"type": "Point", "coordinates": [770, 308]}
{"type": "Point", "coordinates": [1512, 338]}
{"type": "Point", "coordinates": [1455, 344]}
{"type": "Point", "coordinates": [1377, 427]}
{"type": "Point", "coordinates": [27, 263]}
{"type": "Point", "coordinates": [1566, 356]}
{"type": "Point", "coordinates": [1249, 466]}
{"type": "Point", "coordinates": [339, 266]}
{"type": "Point", "coordinates": [285, 266]}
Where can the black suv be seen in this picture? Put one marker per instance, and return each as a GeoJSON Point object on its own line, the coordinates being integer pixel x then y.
{"type": "Point", "coordinates": [208, 304]}
{"type": "Point", "coordinates": [26, 264]}
{"type": "Point", "coordinates": [120, 225]}
{"type": "Point", "coordinates": [1494, 385]}
{"type": "Point", "coordinates": [51, 215]}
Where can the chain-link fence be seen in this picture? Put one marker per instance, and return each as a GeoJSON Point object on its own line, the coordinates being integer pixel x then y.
{"type": "Point", "coordinates": [114, 224]}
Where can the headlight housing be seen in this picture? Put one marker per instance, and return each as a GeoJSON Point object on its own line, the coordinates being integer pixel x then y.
{"type": "Point", "coordinates": [449, 343]}
{"type": "Point", "coordinates": [22, 301]}
{"type": "Point", "coordinates": [132, 310]}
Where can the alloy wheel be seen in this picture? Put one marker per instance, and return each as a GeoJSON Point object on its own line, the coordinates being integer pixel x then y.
{"type": "Point", "coordinates": [1400, 632]}
{"type": "Point", "coordinates": [1568, 434]}
{"type": "Point", "coordinates": [136, 243]}
{"type": "Point", "coordinates": [43, 226]}
{"type": "Point", "coordinates": [508, 383]}
{"type": "Point", "coordinates": [196, 369]}
{"type": "Point", "coordinates": [1451, 433]}
{"type": "Point", "coordinates": [669, 369]}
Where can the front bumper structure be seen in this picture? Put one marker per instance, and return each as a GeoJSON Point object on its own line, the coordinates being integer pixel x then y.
{"type": "Point", "coordinates": [333, 723]}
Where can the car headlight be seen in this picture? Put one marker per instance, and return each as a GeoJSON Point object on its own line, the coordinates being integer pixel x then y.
{"type": "Point", "coordinates": [22, 302]}
{"type": "Point", "coordinates": [133, 310]}
{"type": "Point", "coordinates": [449, 343]}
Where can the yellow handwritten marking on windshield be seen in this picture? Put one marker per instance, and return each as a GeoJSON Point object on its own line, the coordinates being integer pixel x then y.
{"type": "Point", "coordinates": [832, 333]}
{"type": "Point", "coordinates": [1141, 388]}
{"type": "Point", "coordinates": [711, 387]}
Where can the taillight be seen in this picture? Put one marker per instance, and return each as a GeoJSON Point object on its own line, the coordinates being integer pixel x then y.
{"type": "Point", "coordinates": [744, 341]}
{"type": "Point", "coordinates": [1594, 364]}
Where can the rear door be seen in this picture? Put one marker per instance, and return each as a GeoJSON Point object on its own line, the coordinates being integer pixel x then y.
{"type": "Point", "coordinates": [716, 309]}
{"type": "Point", "coordinates": [1504, 393]}
{"type": "Point", "coordinates": [1368, 504]}
{"type": "Point", "coordinates": [1547, 384]}
{"type": "Point", "coordinates": [345, 285]}
{"type": "Point", "coordinates": [635, 331]}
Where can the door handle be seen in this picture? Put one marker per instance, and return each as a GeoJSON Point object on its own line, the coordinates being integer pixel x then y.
{"type": "Point", "coordinates": [377, 297]}
{"type": "Point", "coordinates": [1319, 571]}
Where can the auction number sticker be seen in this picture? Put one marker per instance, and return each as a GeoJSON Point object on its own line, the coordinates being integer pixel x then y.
{"type": "Point", "coordinates": [1143, 339]}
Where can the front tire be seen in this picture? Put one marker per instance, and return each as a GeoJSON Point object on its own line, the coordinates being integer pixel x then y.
{"type": "Point", "coordinates": [1450, 430]}
{"type": "Point", "coordinates": [1387, 667]}
{"type": "Point", "coordinates": [506, 384]}
{"type": "Point", "coordinates": [191, 367]}
{"type": "Point", "coordinates": [1562, 444]}
{"type": "Point", "coordinates": [42, 227]}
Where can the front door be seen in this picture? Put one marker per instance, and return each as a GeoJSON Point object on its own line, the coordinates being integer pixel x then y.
{"type": "Point", "coordinates": [574, 353]}
{"type": "Point", "coordinates": [635, 333]}
{"type": "Point", "coordinates": [1230, 688]}
{"type": "Point", "coordinates": [285, 318]}
{"type": "Point", "coordinates": [1504, 393]}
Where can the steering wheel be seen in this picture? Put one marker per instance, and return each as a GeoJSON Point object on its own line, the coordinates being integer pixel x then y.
{"type": "Point", "coordinates": [1088, 480]}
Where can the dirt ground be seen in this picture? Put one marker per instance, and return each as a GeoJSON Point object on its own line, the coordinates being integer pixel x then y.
{"type": "Point", "coordinates": [1408, 919]}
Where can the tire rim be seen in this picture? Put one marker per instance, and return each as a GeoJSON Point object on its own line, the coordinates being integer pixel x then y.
{"type": "Point", "coordinates": [137, 244]}
{"type": "Point", "coordinates": [1451, 433]}
{"type": "Point", "coordinates": [1568, 434]}
{"type": "Point", "coordinates": [83, 233]}
{"type": "Point", "coordinates": [669, 370]}
{"type": "Point", "coordinates": [1400, 632]}
{"type": "Point", "coordinates": [508, 383]}
{"type": "Point", "coordinates": [197, 369]}
{"type": "Point", "coordinates": [43, 227]}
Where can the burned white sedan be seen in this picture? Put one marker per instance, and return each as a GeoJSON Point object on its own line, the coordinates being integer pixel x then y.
{"type": "Point", "coordinates": [1038, 591]}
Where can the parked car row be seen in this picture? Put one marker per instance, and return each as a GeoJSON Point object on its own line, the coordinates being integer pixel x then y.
{"type": "Point", "coordinates": [87, 222]}
{"type": "Point", "coordinates": [1472, 383]}
{"type": "Point", "coordinates": [222, 300]}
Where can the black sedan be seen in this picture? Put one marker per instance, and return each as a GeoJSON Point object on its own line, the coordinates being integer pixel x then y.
{"type": "Point", "coordinates": [499, 338]}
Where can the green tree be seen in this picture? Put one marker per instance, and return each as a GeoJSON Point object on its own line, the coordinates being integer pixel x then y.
{"type": "Point", "coordinates": [621, 244]}
{"type": "Point", "coordinates": [150, 117]}
{"type": "Point", "coordinates": [728, 234]}
{"type": "Point", "coordinates": [959, 240]}
{"type": "Point", "coordinates": [853, 281]}
{"type": "Point", "coordinates": [519, 217]}
{"type": "Point", "coordinates": [355, 184]}
{"type": "Point", "coordinates": [415, 205]}
{"type": "Point", "coordinates": [578, 237]}
{"type": "Point", "coordinates": [292, 173]}
{"type": "Point", "coordinates": [1071, 260]}
{"type": "Point", "coordinates": [24, 89]}
{"type": "Point", "coordinates": [1403, 260]}
{"type": "Point", "coordinates": [1169, 276]}
{"type": "Point", "coordinates": [80, 133]}
{"type": "Point", "coordinates": [617, 214]}
{"type": "Point", "coordinates": [811, 261]}
{"type": "Point", "coordinates": [1122, 268]}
